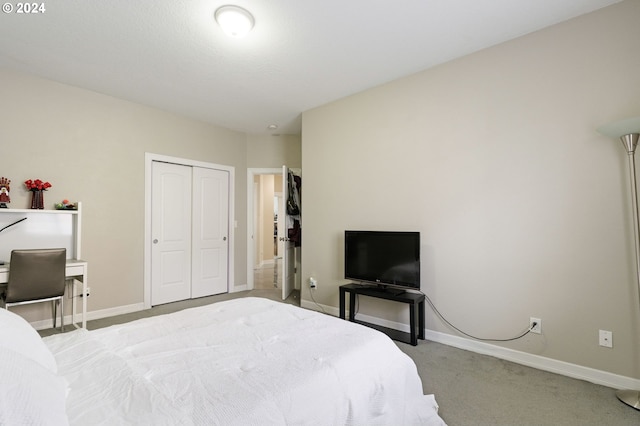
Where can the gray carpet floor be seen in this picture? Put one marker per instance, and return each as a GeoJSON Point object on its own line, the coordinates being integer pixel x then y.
{"type": "Point", "coordinates": [472, 389]}
{"type": "Point", "coordinates": [478, 390]}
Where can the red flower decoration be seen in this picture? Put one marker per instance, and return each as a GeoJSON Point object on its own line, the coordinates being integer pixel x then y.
{"type": "Point", "coordinates": [37, 185]}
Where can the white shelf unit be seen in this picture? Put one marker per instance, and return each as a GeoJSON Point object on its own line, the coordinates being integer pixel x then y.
{"type": "Point", "coordinates": [43, 228]}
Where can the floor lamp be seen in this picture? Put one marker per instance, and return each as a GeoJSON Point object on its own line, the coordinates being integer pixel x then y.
{"type": "Point", "coordinates": [629, 132]}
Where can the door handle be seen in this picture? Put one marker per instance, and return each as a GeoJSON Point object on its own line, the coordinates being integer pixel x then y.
{"type": "Point", "coordinates": [155, 241]}
{"type": "Point", "coordinates": [224, 238]}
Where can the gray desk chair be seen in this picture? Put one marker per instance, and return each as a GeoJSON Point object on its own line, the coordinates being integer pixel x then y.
{"type": "Point", "coordinates": [37, 275]}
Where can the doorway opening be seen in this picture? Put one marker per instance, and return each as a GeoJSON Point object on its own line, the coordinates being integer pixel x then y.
{"type": "Point", "coordinates": [268, 247]}
{"type": "Point", "coordinates": [265, 265]}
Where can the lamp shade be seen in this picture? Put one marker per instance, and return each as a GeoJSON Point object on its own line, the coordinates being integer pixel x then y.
{"type": "Point", "coordinates": [234, 20]}
{"type": "Point", "coordinates": [621, 128]}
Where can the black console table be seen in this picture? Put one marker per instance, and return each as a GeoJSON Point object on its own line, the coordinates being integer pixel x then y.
{"type": "Point", "coordinates": [415, 301]}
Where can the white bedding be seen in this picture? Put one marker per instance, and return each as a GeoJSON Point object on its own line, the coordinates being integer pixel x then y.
{"type": "Point", "coordinates": [248, 361]}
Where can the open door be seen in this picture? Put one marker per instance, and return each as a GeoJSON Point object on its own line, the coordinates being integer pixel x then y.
{"type": "Point", "coordinates": [288, 219]}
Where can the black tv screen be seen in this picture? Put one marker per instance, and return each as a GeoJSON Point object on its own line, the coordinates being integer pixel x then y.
{"type": "Point", "coordinates": [383, 257]}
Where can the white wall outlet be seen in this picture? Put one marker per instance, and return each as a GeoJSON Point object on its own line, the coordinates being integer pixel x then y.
{"type": "Point", "coordinates": [313, 283]}
{"type": "Point", "coordinates": [537, 328]}
{"type": "Point", "coordinates": [606, 339]}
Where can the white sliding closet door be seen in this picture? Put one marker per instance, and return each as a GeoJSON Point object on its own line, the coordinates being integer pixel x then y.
{"type": "Point", "coordinates": [210, 232]}
{"type": "Point", "coordinates": [190, 232]}
{"type": "Point", "coordinates": [171, 233]}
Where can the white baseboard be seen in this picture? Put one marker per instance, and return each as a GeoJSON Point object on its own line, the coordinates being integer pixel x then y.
{"type": "Point", "coordinates": [110, 312]}
{"type": "Point", "coordinates": [575, 371]}
{"type": "Point", "coordinates": [237, 288]}
{"type": "Point", "coordinates": [119, 310]}
{"type": "Point", "coordinates": [312, 306]}
{"type": "Point", "coordinates": [92, 315]}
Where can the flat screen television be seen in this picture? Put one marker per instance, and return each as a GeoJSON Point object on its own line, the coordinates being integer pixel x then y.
{"type": "Point", "coordinates": [383, 258]}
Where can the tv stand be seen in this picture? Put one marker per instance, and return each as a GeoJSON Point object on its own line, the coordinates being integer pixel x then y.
{"type": "Point", "coordinates": [414, 300]}
{"type": "Point", "coordinates": [394, 291]}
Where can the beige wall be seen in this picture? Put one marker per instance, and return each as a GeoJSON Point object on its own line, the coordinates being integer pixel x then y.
{"type": "Point", "coordinates": [274, 151]}
{"type": "Point", "coordinates": [91, 148]}
{"type": "Point", "coordinates": [522, 206]}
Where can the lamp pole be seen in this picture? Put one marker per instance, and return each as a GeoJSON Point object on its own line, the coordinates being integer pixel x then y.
{"type": "Point", "coordinates": [630, 142]}
{"type": "Point", "coordinates": [628, 131]}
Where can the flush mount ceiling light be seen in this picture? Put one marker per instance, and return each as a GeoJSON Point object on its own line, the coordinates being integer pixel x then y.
{"type": "Point", "coordinates": [234, 20]}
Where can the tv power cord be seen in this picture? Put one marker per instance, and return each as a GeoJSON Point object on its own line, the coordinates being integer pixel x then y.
{"type": "Point", "coordinates": [311, 290]}
{"type": "Point", "coordinates": [533, 324]}
{"type": "Point", "coordinates": [530, 328]}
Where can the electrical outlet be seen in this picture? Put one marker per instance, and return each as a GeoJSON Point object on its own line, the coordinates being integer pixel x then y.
{"type": "Point", "coordinates": [538, 325]}
{"type": "Point", "coordinates": [606, 339]}
{"type": "Point", "coordinates": [313, 283]}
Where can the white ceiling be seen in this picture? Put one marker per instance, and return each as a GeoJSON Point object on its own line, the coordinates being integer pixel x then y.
{"type": "Point", "coordinates": [301, 54]}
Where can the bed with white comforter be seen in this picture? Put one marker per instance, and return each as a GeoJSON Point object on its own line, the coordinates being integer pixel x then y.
{"type": "Point", "coordinates": [248, 361]}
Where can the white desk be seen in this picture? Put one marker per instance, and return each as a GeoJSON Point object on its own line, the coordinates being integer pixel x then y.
{"type": "Point", "coordinates": [76, 270]}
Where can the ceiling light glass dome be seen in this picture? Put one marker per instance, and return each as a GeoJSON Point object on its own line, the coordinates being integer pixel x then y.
{"type": "Point", "coordinates": [234, 20]}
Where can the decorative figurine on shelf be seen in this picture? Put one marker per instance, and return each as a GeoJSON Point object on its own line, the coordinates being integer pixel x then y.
{"type": "Point", "coordinates": [4, 192]}
{"type": "Point", "coordinates": [66, 205]}
{"type": "Point", "coordinates": [37, 188]}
